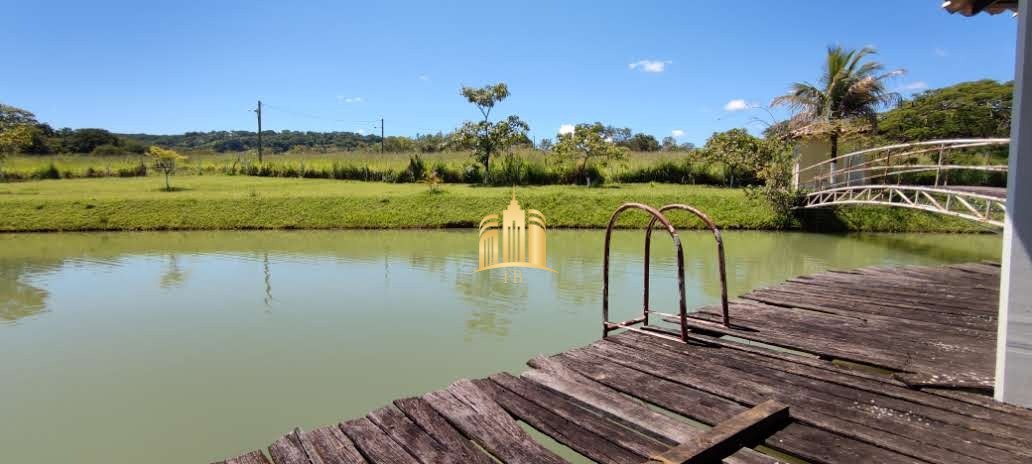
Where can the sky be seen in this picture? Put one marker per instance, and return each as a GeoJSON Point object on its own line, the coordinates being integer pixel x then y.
{"type": "Point", "coordinates": [683, 69]}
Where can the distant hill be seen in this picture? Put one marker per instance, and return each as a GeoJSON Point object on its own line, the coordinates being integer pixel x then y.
{"type": "Point", "coordinates": [274, 141]}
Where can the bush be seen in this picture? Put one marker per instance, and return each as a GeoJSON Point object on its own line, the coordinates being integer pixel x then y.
{"type": "Point", "coordinates": [107, 150]}
{"type": "Point", "coordinates": [140, 170]}
{"type": "Point", "coordinates": [415, 172]}
{"type": "Point", "coordinates": [46, 172]}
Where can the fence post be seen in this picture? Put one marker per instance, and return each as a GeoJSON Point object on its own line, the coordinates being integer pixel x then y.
{"type": "Point", "coordinates": [938, 169]}
{"type": "Point", "coordinates": [795, 175]}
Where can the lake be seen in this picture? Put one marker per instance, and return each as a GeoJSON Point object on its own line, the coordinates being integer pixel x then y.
{"type": "Point", "coordinates": [187, 347]}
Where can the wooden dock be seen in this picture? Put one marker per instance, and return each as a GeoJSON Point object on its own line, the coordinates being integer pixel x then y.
{"type": "Point", "coordinates": [875, 364]}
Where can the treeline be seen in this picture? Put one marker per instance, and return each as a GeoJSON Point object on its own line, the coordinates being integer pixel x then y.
{"type": "Point", "coordinates": [969, 109]}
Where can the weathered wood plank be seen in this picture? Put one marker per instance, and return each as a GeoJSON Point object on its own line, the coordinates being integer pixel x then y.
{"type": "Point", "coordinates": [635, 442]}
{"type": "Point", "coordinates": [485, 422]}
{"type": "Point", "coordinates": [837, 304]}
{"type": "Point", "coordinates": [329, 445]}
{"type": "Point", "coordinates": [568, 432]}
{"type": "Point", "coordinates": [984, 418]}
{"type": "Point", "coordinates": [421, 413]}
{"type": "Point", "coordinates": [745, 429]}
{"type": "Point", "coordinates": [375, 444]}
{"type": "Point", "coordinates": [413, 438]}
{"type": "Point", "coordinates": [254, 457]}
{"type": "Point", "coordinates": [878, 427]}
{"type": "Point", "coordinates": [886, 412]}
{"type": "Point", "coordinates": [556, 377]}
{"type": "Point", "coordinates": [288, 449]}
{"type": "Point", "coordinates": [809, 443]}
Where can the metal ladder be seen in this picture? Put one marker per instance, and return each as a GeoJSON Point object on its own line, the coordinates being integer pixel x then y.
{"type": "Point", "coordinates": [641, 324]}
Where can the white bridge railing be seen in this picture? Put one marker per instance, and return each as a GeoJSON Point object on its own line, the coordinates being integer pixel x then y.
{"type": "Point", "coordinates": [986, 209]}
{"type": "Point", "coordinates": [865, 177]}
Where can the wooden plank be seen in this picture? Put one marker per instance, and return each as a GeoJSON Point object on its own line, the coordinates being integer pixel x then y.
{"type": "Point", "coordinates": [982, 418]}
{"type": "Point", "coordinates": [931, 300]}
{"type": "Point", "coordinates": [414, 439]}
{"type": "Point", "coordinates": [486, 423]}
{"type": "Point", "coordinates": [288, 449]}
{"type": "Point", "coordinates": [848, 339]}
{"type": "Point", "coordinates": [806, 442]}
{"type": "Point", "coordinates": [745, 429]}
{"type": "Point", "coordinates": [635, 442]}
{"type": "Point", "coordinates": [556, 377]}
{"type": "Point", "coordinates": [375, 444]}
{"type": "Point", "coordinates": [254, 457]}
{"type": "Point", "coordinates": [887, 413]}
{"type": "Point", "coordinates": [968, 380]}
{"type": "Point", "coordinates": [837, 304]}
{"type": "Point", "coordinates": [807, 406]}
{"type": "Point", "coordinates": [421, 413]}
{"type": "Point", "coordinates": [565, 431]}
{"type": "Point", "coordinates": [329, 445]}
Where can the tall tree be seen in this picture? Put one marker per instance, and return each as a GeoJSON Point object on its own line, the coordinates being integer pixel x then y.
{"type": "Point", "coordinates": [588, 142]}
{"type": "Point", "coordinates": [487, 138]}
{"type": "Point", "coordinates": [17, 130]}
{"type": "Point", "coordinates": [741, 154]}
{"type": "Point", "coordinates": [845, 100]}
{"type": "Point", "coordinates": [968, 109]}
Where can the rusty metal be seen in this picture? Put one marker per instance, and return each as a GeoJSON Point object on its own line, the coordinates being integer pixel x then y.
{"type": "Point", "coordinates": [657, 216]}
{"type": "Point", "coordinates": [725, 314]}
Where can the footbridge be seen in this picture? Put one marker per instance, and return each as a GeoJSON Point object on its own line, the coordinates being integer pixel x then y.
{"type": "Point", "coordinates": [913, 175]}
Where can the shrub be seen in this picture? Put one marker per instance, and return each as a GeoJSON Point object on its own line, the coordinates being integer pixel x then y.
{"type": "Point", "coordinates": [107, 150]}
{"type": "Point", "coordinates": [46, 172]}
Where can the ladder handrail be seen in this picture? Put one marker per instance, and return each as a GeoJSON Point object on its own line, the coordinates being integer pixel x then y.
{"type": "Point", "coordinates": [608, 326]}
{"type": "Point", "coordinates": [725, 314]}
{"type": "Point", "coordinates": [658, 216]}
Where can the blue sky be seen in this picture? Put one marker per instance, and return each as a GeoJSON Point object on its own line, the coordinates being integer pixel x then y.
{"type": "Point", "coordinates": [657, 67]}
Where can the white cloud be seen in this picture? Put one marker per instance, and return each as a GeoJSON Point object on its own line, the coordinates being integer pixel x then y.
{"type": "Point", "coordinates": [650, 66]}
{"type": "Point", "coordinates": [737, 104]}
{"type": "Point", "coordinates": [342, 98]}
{"type": "Point", "coordinates": [424, 77]}
{"type": "Point", "coordinates": [914, 86]}
{"type": "Point", "coordinates": [361, 132]}
{"type": "Point", "coordinates": [566, 129]}
{"type": "Point", "coordinates": [677, 132]}
{"type": "Point", "coordinates": [941, 52]}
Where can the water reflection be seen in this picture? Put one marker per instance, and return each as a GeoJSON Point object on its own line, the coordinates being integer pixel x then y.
{"type": "Point", "coordinates": [448, 257]}
{"type": "Point", "coordinates": [228, 337]}
{"type": "Point", "coordinates": [18, 299]}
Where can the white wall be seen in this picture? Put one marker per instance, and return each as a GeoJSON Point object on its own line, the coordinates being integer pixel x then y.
{"type": "Point", "coordinates": [1014, 337]}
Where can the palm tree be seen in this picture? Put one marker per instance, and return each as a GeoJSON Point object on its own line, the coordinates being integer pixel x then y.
{"type": "Point", "coordinates": [847, 100]}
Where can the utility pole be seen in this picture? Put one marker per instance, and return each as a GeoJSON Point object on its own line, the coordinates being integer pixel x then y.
{"type": "Point", "coordinates": [381, 136]}
{"type": "Point", "coordinates": [259, 111]}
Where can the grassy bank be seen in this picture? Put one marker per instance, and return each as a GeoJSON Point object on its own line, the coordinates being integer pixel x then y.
{"type": "Point", "coordinates": [227, 202]}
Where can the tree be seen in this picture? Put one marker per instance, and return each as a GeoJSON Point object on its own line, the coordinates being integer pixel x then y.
{"type": "Point", "coordinates": [17, 130]}
{"type": "Point", "coordinates": [86, 140]}
{"type": "Point", "coordinates": [641, 142]}
{"type": "Point", "coordinates": [977, 109]}
{"type": "Point", "coordinates": [586, 143]}
{"type": "Point", "coordinates": [742, 154]}
{"type": "Point", "coordinates": [12, 116]}
{"type": "Point", "coordinates": [484, 137]}
{"type": "Point", "coordinates": [165, 162]}
{"type": "Point", "coordinates": [845, 100]}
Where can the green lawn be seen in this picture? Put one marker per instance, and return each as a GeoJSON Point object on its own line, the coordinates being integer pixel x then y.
{"type": "Point", "coordinates": [228, 202]}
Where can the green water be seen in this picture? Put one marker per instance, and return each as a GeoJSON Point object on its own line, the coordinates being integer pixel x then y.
{"type": "Point", "coordinates": [189, 347]}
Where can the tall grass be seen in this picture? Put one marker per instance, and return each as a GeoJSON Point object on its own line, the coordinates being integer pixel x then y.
{"type": "Point", "coordinates": [525, 167]}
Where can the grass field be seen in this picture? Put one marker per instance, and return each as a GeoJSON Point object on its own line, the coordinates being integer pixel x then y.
{"type": "Point", "coordinates": [453, 166]}
{"type": "Point", "coordinates": [229, 202]}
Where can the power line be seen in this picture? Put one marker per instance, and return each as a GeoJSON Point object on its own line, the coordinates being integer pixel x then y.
{"type": "Point", "coordinates": [315, 116]}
